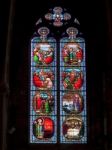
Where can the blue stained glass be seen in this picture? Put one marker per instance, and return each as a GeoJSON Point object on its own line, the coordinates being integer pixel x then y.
{"type": "Point", "coordinates": [73, 113]}
{"type": "Point", "coordinates": [74, 136]}
{"type": "Point", "coordinates": [45, 69]}
{"type": "Point", "coordinates": [66, 42]}
{"type": "Point", "coordinates": [43, 98]}
{"type": "Point", "coordinates": [34, 139]}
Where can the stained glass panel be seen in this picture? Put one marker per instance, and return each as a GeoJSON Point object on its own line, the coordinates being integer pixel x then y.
{"type": "Point", "coordinates": [43, 104]}
{"type": "Point", "coordinates": [73, 89]}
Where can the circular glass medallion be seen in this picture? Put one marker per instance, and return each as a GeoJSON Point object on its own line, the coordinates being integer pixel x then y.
{"type": "Point", "coordinates": [72, 54]}
{"type": "Point", "coordinates": [72, 103]}
{"type": "Point", "coordinates": [43, 79]}
{"type": "Point", "coordinates": [73, 128]}
{"type": "Point", "coordinates": [43, 103]}
{"type": "Point", "coordinates": [72, 78]}
{"type": "Point", "coordinates": [43, 54]}
{"type": "Point", "coordinates": [43, 128]}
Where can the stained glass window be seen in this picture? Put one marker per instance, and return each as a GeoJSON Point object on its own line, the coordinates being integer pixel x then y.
{"type": "Point", "coordinates": [57, 82]}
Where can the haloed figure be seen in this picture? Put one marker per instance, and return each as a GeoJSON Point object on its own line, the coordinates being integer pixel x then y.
{"type": "Point", "coordinates": [39, 128]}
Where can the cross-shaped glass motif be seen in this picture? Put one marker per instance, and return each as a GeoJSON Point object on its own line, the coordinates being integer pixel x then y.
{"type": "Point", "coordinates": [58, 16]}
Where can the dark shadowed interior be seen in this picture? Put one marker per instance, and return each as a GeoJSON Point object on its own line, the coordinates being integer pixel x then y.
{"type": "Point", "coordinates": [16, 31]}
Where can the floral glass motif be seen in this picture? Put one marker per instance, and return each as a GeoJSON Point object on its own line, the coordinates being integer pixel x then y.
{"type": "Point", "coordinates": [58, 16]}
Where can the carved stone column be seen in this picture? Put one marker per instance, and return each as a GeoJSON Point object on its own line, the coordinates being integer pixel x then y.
{"type": "Point", "coordinates": [5, 87]}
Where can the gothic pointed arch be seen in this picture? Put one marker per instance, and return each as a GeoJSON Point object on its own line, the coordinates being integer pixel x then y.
{"type": "Point", "coordinates": [57, 80]}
